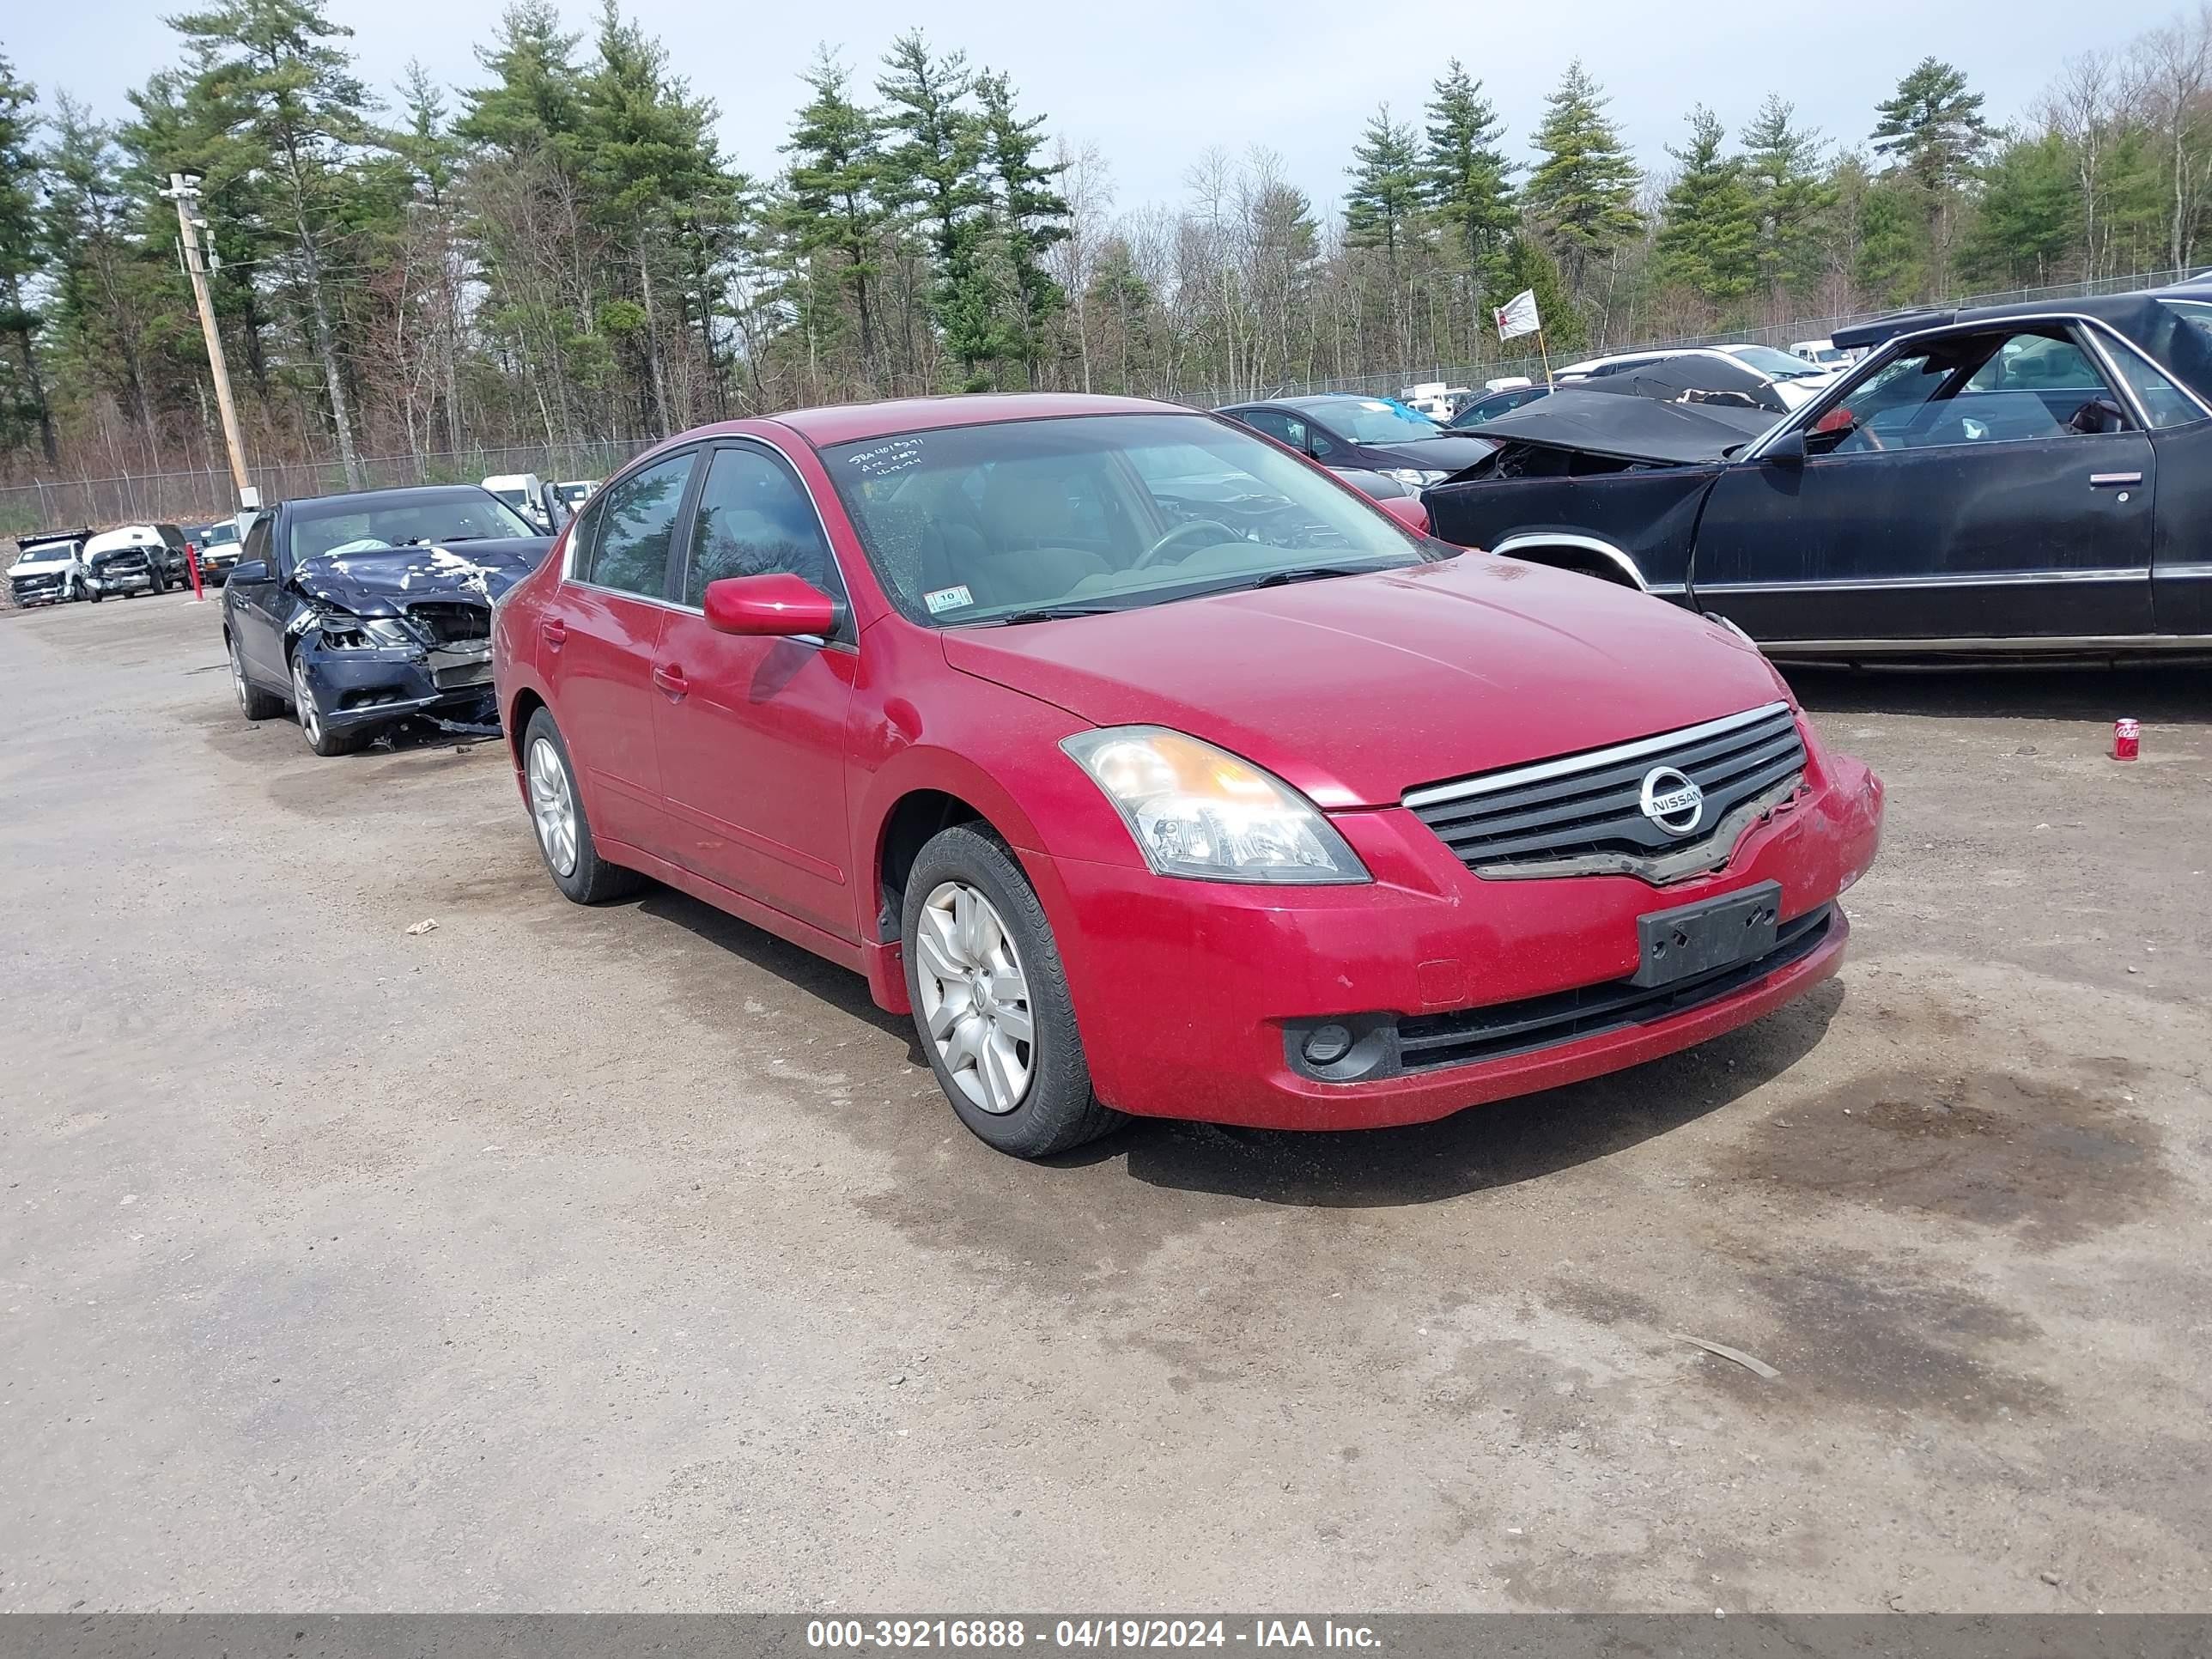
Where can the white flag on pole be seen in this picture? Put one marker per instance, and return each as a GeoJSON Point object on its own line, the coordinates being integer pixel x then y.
{"type": "Point", "coordinates": [1518, 315]}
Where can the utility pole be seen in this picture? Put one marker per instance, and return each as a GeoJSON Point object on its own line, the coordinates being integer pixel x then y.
{"type": "Point", "coordinates": [184, 190]}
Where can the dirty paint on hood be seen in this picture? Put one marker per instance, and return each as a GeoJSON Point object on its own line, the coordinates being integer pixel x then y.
{"type": "Point", "coordinates": [370, 579]}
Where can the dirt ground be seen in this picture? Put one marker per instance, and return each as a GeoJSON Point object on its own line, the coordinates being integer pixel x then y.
{"type": "Point", "coordinates": [627, 1259]}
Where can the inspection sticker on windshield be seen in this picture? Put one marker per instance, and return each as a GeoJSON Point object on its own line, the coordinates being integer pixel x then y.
{"type": "Point", "coordinates": [947, 599]}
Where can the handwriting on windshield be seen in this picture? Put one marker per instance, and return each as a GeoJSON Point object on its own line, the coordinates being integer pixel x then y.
{"type": "Point", "coordinates": [885, 459]}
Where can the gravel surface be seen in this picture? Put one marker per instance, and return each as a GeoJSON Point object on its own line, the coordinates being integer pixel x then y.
{"type": "Point", "coordinates": [628, 1259]}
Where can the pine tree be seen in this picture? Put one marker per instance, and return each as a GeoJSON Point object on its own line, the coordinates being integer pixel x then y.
{"type": "Point", "coordinates": [1933, 133]}
{"type": "Point", "coordinates": [1463, 172]}
{"type": "Point", "coordinates": [296, 92]}
{"type": "Point", "coordinates": [1033, 215]}
{"type": "Point", "coordinates": [23, 391]}
{"type": "Point", "coordinates": [1708, 232]}
{"type": "Point", "coordinates": [1782, 165]}
{"type": "Point", "coordinates": [1385, 198]}
{"type": "Point", "coordinates": [535, 99]}
{"type": "Point", "coordinates": [651, 161]}
{"type": "Point", "coordinates": [1582, 188]}
{"type": "Point", "coordinates": [1933, 128]}
{"type": "Point", "coordinates": [835, 202]}
{"type": "Point", "coordinates": [936, 169]}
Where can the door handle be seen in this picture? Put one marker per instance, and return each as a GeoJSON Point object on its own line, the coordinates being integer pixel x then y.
{"type": "Point", "coordinates": [554, 632]}
{"type": "Point", "coordinates": [2113, 480]}
{"type": "Point", "coordinates": [670, 678]}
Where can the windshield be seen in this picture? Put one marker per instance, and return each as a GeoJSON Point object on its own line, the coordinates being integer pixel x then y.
{"type": "Point", "coordinates": [1372, 420]}
{"type": "Point", "coordinates": [218, 535]}
{"type": "Point", "coordinates": [979, 524]}
{"type": "Point", "coordinates": [40, 552]}
{"type": "Point", "coordinates": [431, 522]}
{"type": "Point", "coordinates": [1767, 361]}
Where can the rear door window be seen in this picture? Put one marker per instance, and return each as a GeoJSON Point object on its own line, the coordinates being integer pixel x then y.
{"type": "Point", "coordinates": [635, 528]}
{"type": "Point", "coordinates": [1284, 428]}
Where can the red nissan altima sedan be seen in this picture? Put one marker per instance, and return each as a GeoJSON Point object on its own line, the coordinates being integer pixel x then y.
{"type": "Point", "coordinates": [1154, 770]}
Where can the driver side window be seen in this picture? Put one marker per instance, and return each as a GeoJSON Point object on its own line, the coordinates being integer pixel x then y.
{"type": "Point", "coordinates": [2013, 386]}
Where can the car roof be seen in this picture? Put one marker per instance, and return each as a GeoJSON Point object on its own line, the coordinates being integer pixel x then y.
{"type": "Point", "coordinates": [2121, 309]}
{"type": "Point", "coordinates": [1324, 399]}
{"type": "Point", "coordinates": [398, 497]}
{"type": "Point", "coordinates": [840, 423]}
{"type": "Point", "coordinates": [2143, 317]}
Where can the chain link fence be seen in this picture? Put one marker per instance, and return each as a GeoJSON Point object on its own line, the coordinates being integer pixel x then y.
{"type": "Point", "coordinates": [204, 495]}
{"type": "Point", "coordinates": [193, 496]}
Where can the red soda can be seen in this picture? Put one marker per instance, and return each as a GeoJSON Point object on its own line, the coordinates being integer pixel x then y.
{"type": "Point", "coordinates": [2127, 739]}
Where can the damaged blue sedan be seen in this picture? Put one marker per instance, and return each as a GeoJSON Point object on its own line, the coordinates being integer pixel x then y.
{"type": "Point", "coordinates": [359, 612]}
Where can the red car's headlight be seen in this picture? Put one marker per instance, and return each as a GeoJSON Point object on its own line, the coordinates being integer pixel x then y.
{"type": "Point", "coordinates": [1200, 812]}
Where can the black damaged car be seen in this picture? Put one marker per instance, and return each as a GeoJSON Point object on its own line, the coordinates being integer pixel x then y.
{"type": "Point", "coordinates": [362, 610]}
{"type": "Point", "coordinates": [2019, 483]}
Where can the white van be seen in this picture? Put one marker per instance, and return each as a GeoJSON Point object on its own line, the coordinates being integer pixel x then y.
{"type": "Point", "coordinates": [523, 491]}
{"type": "Point", "coordinates": [1827, 353]}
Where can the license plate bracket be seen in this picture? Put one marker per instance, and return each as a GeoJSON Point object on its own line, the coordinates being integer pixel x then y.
{"type": "Point", "coordinates": [1708, 935]}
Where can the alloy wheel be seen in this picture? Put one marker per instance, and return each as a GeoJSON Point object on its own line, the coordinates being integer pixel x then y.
{"type": "Point", "coordinates": [238, 677]}
{"type": "Point", "coordinates": [303, 701]}
{"type": "Point", "coordinates": [553, 805]}
{"type": "Point", "coordinates": [974, 997]}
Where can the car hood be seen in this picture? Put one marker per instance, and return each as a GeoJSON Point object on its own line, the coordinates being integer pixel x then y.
{"type": "Point", "coordinates": [1434, 454]}
{"type": "Point", "coordinates": [1355, 688]}
{"type": "Point", "coordinates": [380, 581]}
{"type": "Point", "coordinates": [1627, 427]}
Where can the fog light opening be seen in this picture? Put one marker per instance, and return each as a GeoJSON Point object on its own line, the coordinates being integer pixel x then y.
{"type": "Point", "coordinates": [1325, 1045]}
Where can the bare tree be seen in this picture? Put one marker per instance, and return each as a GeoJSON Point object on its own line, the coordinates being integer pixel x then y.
{"type": "Point", "coordinates": [2172, 68]}
{"type": "Point", "coordinates": [1087, 183]}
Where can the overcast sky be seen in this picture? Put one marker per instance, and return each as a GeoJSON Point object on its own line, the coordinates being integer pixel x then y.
{"type": "Point", "coordinates": [1153, 82]}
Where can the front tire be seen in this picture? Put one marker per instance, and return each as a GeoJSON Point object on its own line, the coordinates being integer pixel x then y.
{"type": "Point", "coordinates": [320, 738]}
{"type": "Point", "coordinates": [557, 812]}
{"type": "Point", "coordinates": [990, 1005]}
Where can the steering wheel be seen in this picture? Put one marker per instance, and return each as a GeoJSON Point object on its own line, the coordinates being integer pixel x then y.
{"type": "Point", "coordinates": [1152, 555]}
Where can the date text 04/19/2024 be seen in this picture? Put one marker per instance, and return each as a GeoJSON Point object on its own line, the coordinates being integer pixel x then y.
{"type": "Point", "coordinates": [854, 1634]}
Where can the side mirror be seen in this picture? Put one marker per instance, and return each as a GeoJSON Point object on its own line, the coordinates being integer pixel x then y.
{"type": "Point", "coordinates": [250, 571]}
{"type": "Point", "coordinates": [777, 605]}
{"type": "Point", "coordinates": [1407, 511]}
{"type": "Point", "coordinates": [1788, 450]}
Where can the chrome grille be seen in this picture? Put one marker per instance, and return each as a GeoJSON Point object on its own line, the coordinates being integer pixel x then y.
{"type": "Point", "coordinates": [1584, 814]}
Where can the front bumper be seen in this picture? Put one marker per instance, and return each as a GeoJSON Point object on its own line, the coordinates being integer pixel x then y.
{"type": "Point", "coordinates": [128, 581]}
{"type": "Point", "coordinates": [1185, 991]}
{"type": "Point", "coordinates": [377, 685]}
{"type": "Point", "coordinates": [38, 591]}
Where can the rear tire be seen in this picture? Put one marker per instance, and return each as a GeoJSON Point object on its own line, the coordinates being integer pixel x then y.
{"type": "Point", "coordinates": [981, 970]}
{"type": "Point", "coordinates": [563, 832]}
{"type": "Point", "coordinates": [252, 701]}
